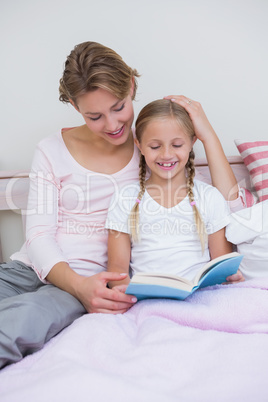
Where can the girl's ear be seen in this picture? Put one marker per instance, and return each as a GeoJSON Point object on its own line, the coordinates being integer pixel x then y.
{"type": "Point", "coordinates": [194, 139]}
{"type": "Point", "coordinates": [74, 105]}
{"type": "Point", "coordinates": [137, 143]}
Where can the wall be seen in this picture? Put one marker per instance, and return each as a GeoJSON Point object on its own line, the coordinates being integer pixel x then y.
{"type": "Point", "coordinates": [214, 51]}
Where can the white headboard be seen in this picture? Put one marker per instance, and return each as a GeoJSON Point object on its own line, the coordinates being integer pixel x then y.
{"type": "Point", "coordinates": [14, 185]}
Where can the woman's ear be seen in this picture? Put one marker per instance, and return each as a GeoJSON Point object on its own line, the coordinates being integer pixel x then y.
{"type": "Point", "coordinates": [132, 87]}
{"type": "Point", "coordinates": [74, 105]}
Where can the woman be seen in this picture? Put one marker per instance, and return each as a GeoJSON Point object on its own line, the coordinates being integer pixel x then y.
{"type": "Point", "coordinates": [60, 272]}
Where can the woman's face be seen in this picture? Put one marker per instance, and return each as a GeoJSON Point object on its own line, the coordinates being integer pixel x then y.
{"type": "Point", "coordinates": [107, 116]}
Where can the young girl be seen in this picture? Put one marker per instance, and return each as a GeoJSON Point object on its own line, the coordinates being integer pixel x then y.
{"type": "Point", "coordinates": [170, 222]}
{"type": "Point", "coordinates": [60, 272]}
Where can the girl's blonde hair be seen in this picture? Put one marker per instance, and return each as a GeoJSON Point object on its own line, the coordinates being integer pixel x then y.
{"type": "Point", "coordinates": [162, 109]}
{"type": "Point", "coordinates": [90, 66]}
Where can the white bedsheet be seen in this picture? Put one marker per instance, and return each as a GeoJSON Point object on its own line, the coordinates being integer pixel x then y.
{"type": "Point", "coordinates": [211, 347]}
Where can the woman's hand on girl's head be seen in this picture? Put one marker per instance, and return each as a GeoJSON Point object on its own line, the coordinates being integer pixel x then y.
{"type": "Point", "coordinates": [202, 126]}
{"type": "Point", "coordinates": [97, 298]}
{"type": "Point", "coordinates": [218, 164]}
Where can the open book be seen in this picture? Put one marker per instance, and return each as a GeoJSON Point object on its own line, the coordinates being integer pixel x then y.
{"type": "Point", "coordinates": [155, 285]}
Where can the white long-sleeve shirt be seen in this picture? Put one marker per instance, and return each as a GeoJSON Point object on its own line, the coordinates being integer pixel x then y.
{"type": "Point", "coordinates": [67, 208]}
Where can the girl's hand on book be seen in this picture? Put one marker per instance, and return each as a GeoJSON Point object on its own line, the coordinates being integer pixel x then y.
{"type": "Point", "coordinates": [236, 278]}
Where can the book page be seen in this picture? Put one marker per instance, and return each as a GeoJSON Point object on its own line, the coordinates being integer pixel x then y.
{"type": "Point", "coordinates": [162, 280]}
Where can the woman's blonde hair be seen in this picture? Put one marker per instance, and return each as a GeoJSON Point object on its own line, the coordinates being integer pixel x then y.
{"type": "Point", "coordinates": [90, 66]}
{"type": "Point", "coordinates": [162, 109]}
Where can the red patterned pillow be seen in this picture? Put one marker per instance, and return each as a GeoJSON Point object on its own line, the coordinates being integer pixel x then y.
{"type": "Point", "coordinates": [255, 157]}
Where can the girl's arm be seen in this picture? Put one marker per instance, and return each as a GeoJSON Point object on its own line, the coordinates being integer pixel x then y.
{"type": "Point", "coordinates": [221, 172]}
{"type": "Point", "coordinates": [119, 248]}
{"type": "Point", "coordinates": [218, 245]}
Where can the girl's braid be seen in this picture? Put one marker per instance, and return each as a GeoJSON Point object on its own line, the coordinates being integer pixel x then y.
{"type": "Point", "coordinates": [190, 184]}
{"type": "Point", "coordinates": [135, 212]}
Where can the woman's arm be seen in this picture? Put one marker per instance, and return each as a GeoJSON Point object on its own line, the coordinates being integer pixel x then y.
{"type": "Point", "coordinates": [119, 248]}
{"type": "Point", "coordinates": [42, 216]}
{"type": "Point", "coordinates": [221, 172]}
{"type": "Point", "coordinates": [92, 291]}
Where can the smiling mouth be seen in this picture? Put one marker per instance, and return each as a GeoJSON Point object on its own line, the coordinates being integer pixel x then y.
{"type": "Point", "coordinates": [166, 164]}
{"type": "Point", "coordinates": [115, 132]}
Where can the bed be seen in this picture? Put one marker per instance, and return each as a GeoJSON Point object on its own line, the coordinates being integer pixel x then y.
{"type": "Point", "coordinates": [213, 346]}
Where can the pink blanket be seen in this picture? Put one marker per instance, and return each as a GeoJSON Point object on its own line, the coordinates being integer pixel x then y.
{"type": "Point", "coordinates": [211, 347]}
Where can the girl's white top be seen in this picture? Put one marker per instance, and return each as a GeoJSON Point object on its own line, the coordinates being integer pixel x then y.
{"type": "Point", "coordinates": [169, 241]}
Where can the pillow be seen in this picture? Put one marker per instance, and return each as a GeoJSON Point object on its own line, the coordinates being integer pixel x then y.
{"type": "Point", "coordinates": [248, 230]}
{"type": "Point", "coordinates": [255, 157]}
{"type": "Point", "coordinates": [255, 261]}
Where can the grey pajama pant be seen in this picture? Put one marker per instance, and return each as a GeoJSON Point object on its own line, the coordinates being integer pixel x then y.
{"type": "Point", "coordinates": [31, 312]}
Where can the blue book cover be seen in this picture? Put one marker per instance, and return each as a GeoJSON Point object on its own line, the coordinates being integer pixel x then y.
{"type": "Point", "coordinates": [157, 285]}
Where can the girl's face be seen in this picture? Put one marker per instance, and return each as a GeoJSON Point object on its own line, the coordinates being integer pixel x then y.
{"type": "Point", "coordinates": [107, 116]}
{"type": "Point", "coordinates": [166, 148]}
